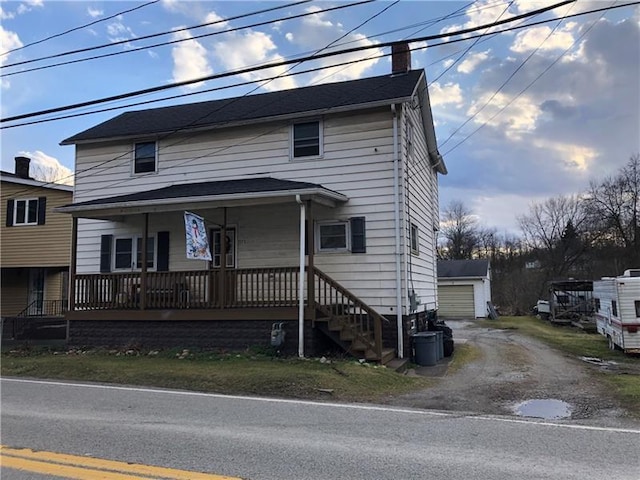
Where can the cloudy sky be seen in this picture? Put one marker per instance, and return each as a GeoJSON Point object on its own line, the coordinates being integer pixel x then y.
{"type": "Point", "coordinates": [520, 116]}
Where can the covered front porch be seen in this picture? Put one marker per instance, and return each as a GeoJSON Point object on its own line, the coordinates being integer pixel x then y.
{"type": "Point", "coordinates": [225, 290]}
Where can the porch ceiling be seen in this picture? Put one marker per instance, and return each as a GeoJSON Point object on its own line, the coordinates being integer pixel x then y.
{"type": "Point", "coordinates": [226, 193]}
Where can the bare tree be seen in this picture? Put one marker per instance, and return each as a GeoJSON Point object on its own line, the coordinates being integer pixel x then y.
{"type": "Point", "coordinates": [558, 231]}
{"type": "Point", "coordinates": [458, 233]}
{"type": "Point", "coordinates": [614, 204]}
{"type": "Point", "coordinates": [49, 174]}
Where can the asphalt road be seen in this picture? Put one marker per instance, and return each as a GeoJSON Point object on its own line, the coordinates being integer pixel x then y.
{"type": "Point", "coordinates": [260, 439]}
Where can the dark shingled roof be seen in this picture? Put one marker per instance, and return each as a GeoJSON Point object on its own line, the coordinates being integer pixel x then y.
{"type": "Point", "coordinates": [462, 268]}
{"type": "Point", "coordinates": [385, 88]}
{"type": "Point", "coordinates": [205, 189]}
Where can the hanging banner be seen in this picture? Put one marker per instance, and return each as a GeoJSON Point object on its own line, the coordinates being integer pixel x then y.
{"type": "Point", "coordinates": [196, 236]}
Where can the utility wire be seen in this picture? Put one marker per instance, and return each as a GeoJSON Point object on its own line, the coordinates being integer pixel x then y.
{"type": "Point", "coordinates": [180, 40]}
{"type": "Point", "coordinates": [530, 83]}
{"type": "Point", "coordinates": [7, 52]}
{"type": "Point", "coordinates": [278, 64]}
{"type": "Point", "coordinates": [433, 45]}
{"type": "Point", "coordinates": [126, 154]}
{"type": "Point", "coordinates": [153, 35]}
{"type": "Point", "coordinates": [508, 79]}
{"type": "Point", "coordinates": [469, 47]}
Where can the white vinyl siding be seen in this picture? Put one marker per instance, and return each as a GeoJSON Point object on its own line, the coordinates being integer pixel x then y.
{"type": "Point", "coordinates": [357, 161]}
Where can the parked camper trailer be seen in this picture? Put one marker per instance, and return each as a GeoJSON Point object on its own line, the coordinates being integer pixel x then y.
{"type": "Point", "coordinates": [617, 302]}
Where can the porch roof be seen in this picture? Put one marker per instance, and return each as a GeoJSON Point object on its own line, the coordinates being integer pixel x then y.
{"type": "Point", "coordinates": [223, 193]}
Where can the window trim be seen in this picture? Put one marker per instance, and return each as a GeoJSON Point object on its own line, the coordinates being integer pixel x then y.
{"type": "Point", "coordinates": [415, 249]}
{"type": "Point", "coordinates": [292, 155]}
{"type": "Point", "coordinates": [134, 253]}
{"type": "Point", "coordinates": [26, 211]}
{"type": "Point", "coordinates": [318, 235]}
{"type": "Point", "coordinates": [134, 157]}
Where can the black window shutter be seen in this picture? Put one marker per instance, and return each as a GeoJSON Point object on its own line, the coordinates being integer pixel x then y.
{"type": "Point", "coordinates": [42, 209]}
{"type": "Point", "coordinates": [106, 241]}
{"type": "Point", "coordinates": [163, 252]}
{"type": "Point", "coordinates": [10, 213]}
{"type": "Point", "coordinates": [358, 235]}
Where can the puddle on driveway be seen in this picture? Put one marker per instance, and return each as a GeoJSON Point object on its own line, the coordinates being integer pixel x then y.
{"type": "Point", "coordinates": [547, 408]}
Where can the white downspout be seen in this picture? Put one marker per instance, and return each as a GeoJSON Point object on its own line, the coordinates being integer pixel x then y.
{"type": "Point", "coordinates": [301, 280]}
{"type": "Point", "coordinates": [396, 216]}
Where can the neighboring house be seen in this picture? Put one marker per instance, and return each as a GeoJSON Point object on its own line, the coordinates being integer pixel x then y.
{"type": "Point", "coordinates": [36, 245]}
{"type": "Point", "coordinates": [464, 288]}
{"type": "Point", "coordinates": [326, 196]}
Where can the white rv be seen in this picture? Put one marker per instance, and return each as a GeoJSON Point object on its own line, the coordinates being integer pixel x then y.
{"type": "Point", "coordinates": [617, 305]}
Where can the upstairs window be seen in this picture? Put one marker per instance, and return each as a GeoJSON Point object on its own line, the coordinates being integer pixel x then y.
{"type": "Point", "coordinates": [307, 139]}
{"type": "Point", "coordinates": [26, 211]}
{"type": "Point", "coordinates": [144, 157]}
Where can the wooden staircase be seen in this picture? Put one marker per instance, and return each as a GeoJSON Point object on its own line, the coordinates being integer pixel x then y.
{"type": "Point", "coordinates": [348, 321]}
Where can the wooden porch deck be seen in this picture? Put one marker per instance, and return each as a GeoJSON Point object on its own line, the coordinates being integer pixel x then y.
{"type": "Point", "coordinates": [238, 294]}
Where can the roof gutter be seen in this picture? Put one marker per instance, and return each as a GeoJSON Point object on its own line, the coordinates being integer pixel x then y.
{"type": "Point", "coordinates": [335, 196]}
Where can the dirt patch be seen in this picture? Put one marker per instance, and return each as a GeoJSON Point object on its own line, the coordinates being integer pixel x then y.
{"type": "Point", "coordinates": [510, 368]}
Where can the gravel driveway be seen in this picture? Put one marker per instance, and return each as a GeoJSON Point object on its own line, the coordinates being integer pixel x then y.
{"type": "Point", "coordinates": [513, 369]}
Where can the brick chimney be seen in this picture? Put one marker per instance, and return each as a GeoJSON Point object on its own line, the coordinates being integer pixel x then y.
{"type": "Point", "coordinates": [400, 58]}
{"type": "Point", "coordinates": [22, 167]}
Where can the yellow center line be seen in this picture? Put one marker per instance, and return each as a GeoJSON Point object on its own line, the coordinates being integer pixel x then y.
{"type": "Point", "coordinates": [90, 468]}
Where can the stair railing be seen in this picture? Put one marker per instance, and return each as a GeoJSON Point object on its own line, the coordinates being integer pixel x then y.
{"type": "Point", "coordinates": [335, 300]}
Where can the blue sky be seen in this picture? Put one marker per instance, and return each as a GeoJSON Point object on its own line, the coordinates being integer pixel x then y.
{"type": "Point", "coordinates": [578, 122]}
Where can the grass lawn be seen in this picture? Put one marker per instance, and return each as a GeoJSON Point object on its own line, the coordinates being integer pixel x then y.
{"type": "Point", "coordinates": [241, 374]}
{"type": "Point", "coordinates": [576, 343]}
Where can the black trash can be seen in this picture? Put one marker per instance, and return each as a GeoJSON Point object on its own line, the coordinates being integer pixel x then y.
{"type": "Point", "coordinates": [425, 349]}
{"type": "Point", "coordinates": [440, 344]}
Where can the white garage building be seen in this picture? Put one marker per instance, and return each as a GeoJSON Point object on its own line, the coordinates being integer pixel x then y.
{"type": "Point", "coordinates": [464, 288]}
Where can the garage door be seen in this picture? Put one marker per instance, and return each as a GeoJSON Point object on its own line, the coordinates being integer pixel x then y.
{"type": "Point", "coordinates": [456, 301]}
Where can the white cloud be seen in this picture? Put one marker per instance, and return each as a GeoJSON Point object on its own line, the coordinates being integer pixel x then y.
{"type": "Point", "coordinates": [189, 60]}
{"type": "Point", "coordinates": [252, 48]}
{"type": "Point", "coordinates": [573, 156]}
{"type": "Point", "coordinates": [28, 6]}
{"type": "Point", "coordinates": [448, 63]}
{"type": "Point", "coordinates": [289, 36]}
{"type": "Point", "coordinates": [470, 63]}
{"type": "Point", "coordinates": [445, 94]}
{"type": "Point", "coordinates": [214, 17]}
{"type": "Point", "coordinates": [47, 168]}
{"type": "Point", "coordinates": [8, 40]}
{"type": "Point", "coordinates": [536, 37]}
{"type": "Point", "coordinates": [94, 12]}
{"type": "Point", "coordinates": [6, 15]}
{"type": "Point", "coordinates": [520, 116]}
{"type": "Point", "coordinates": [119, 32]}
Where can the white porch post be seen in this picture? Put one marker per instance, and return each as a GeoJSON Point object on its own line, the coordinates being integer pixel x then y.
{"type": "Point", "coordinates": [301, 279]}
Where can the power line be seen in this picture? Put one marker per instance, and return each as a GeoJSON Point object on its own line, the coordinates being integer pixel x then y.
{"type": "Point", "coordinates": [280, 63]}
{"type": "Point", "coordinates": [469, 47]}
{"type": "Point", "coordinates": [75, 29]}
{"type": "Point", "coordinates": [180, 40]}
{"type": "Point", "coordinates": [126, 154]}
{"type": "Point", "coordinates": [522, 64]}
{"type": "Point", "coordinates": [153, 35]}
{"type": "Point", "coordinates": [433, 45]}
{"type": "Point", "coordinates": [532, 82]}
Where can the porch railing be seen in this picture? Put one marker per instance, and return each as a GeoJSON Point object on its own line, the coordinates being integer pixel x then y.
{"type": "Point", "coordinates": [45, 308]}
{"type": "Point", "coordinates": [252, 287]}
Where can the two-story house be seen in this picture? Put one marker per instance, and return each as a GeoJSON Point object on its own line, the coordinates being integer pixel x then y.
{"type": "Point", "coordinates": [326, 197]}
{"type": "Point", "coordinates": [35, 247]}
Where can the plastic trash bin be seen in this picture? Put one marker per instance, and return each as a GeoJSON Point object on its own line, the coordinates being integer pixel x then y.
{"type": "Point", "coordinates": [440, 344]}
{"type": "Point", "coordinates": [425, 348]}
